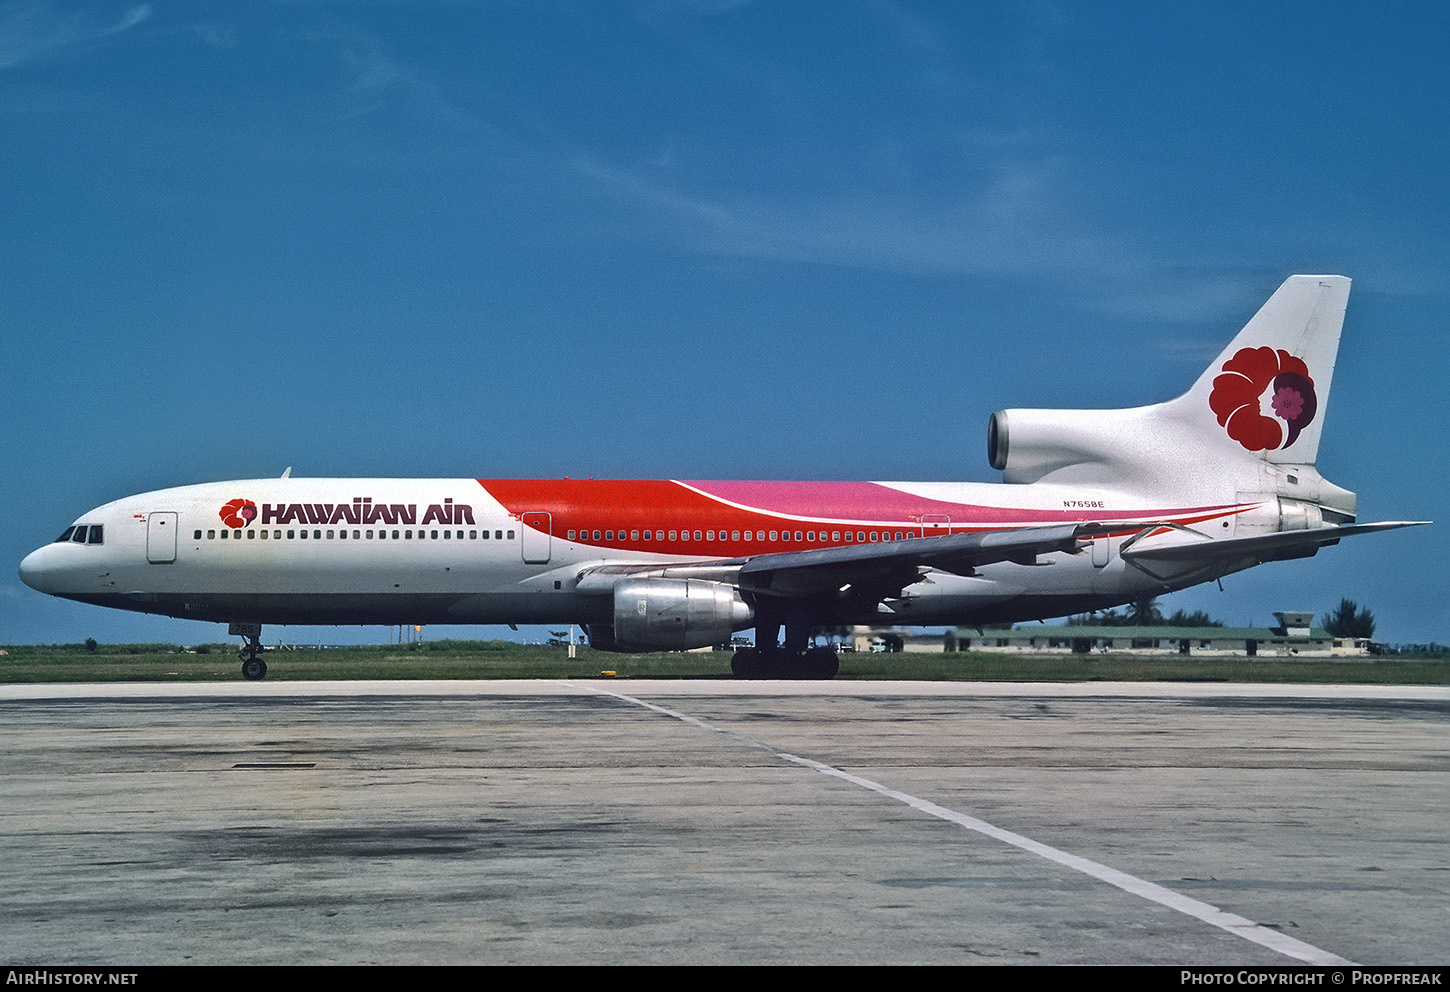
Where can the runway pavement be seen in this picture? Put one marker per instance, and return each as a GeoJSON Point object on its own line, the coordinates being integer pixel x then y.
{"type": "Point", "coordinates": [711, 822]}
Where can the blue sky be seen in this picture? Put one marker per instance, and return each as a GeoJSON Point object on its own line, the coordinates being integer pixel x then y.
{"type": "Point", "coordinates": [710, 239]}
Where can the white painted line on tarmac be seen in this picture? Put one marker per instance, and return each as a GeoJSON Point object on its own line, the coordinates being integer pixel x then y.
{"type": "Point", "coordinates": [1230, 922]}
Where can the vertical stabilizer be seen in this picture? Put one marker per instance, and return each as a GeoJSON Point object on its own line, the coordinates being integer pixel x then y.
{"type": "Point", "coordinates": [1262, 400]}
{"type": "Point", "coordinates": [1269, 388]}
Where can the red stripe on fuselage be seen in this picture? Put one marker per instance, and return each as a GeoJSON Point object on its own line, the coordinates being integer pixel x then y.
{"type": "Point", "coordinates": [817, 510]}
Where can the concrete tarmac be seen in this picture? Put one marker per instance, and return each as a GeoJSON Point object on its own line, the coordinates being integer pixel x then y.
{"type": "Point", "coordinates": [703, 822]}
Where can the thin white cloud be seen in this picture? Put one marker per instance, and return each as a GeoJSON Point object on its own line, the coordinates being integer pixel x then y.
{"type": "Point", "coordinates": [33, 32]}
{"type": "Point", "coordinates": [1019, 223]}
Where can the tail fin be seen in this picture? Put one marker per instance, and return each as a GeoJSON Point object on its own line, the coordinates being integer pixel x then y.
{"type": "Point", "coordinates": [1262, 400]}
{"type": "Point", "coordinates": [1268, 389]}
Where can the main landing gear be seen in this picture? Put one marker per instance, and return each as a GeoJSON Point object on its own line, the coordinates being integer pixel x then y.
{"type": "Point", "coordinates": [795, 660]}
{"type": "Point", "coordinates": [778, 663]}
{"type": "Point", "coordinates": [254, 669]}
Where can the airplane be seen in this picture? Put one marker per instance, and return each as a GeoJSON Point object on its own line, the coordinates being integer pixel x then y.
{"type": "Point", "coordinates": [1098, 508]}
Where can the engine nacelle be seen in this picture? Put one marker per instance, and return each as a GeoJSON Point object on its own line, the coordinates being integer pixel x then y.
{"type": "Point", "coordinates": [671, 615]}
{"type": "Point", "coordinates": [1094, 447]}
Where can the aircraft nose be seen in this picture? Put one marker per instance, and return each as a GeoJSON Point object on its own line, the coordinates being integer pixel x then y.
{"type": "Point", "coordinates": [33, 571]}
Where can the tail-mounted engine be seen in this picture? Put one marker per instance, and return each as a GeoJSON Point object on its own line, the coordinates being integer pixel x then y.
{"type": "Point", "coordinates": [671, 615]}
{"type": "Point", "coordinates": [1143, 445]}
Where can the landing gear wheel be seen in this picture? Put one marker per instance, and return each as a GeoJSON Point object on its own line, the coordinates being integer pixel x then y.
{"type": "Point", "coordinates": [754, 663]}
{"type": "Point", "coordinates": [819, 663]}
{"type": "Point", "coordinates": [254, 669]}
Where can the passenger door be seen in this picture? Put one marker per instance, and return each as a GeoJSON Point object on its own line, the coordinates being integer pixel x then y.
{"type": "Point", "coordinates": [161, 538]}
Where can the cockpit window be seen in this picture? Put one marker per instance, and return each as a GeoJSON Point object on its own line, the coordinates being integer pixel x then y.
{"type": "Point", "coordinates": [83, 534]}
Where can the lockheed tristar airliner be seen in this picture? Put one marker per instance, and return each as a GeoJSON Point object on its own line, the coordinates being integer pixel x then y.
{"type": "Point", "coordinates": [1099, 508]}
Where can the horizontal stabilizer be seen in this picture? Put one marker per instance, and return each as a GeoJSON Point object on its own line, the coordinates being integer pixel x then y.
{"type": "Point", "coordinates": [1261, 547]}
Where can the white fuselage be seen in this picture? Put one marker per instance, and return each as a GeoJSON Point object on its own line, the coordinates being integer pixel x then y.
{"type": "Point", "coordinates": [389, 551]}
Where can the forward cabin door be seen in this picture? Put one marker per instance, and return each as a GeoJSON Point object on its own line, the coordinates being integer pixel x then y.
{"type": "Point", "coordinates": [536, 539]}
{"type": "Point", "coordinates": [161, 538]}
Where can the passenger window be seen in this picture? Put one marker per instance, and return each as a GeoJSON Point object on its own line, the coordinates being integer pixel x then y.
{"type": "Point", "coordinates": [498, 535]}
{"type": "Point", "coordinates": [774, 535]}
{"type": "Point", "coordinates": [291, 535]}
{"type": "Point", "coordinates": [251, 535]}
{"type": "Point", "coordinates": [674, 535]}
{"type": "Point", "coordinates": [196, 535]}
{"type": "Point", "coordinates": [301, 535]}
{"type": "Point", "coordinates": [226, 534]}
{"type": "Point", "coordinates": [835, 535]}
{"type": "Point", "coordinates": [264, 535]}
{"type": "Point", "coordinates": [511, 535]}
{"type": "Point", "coordinates": [317, 535]}
{"type": "Point", "coordinates": [329, 535]}
{"type": "Point", "coordinates": [734, 535]}
{"type": "Point", "coordinates": [634, 535]}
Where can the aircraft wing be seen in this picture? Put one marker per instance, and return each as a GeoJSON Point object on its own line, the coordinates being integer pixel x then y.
{"type": "Point", "coordinates": [885, 567]}
{"type": "Point", "coordinates": [889, 566]}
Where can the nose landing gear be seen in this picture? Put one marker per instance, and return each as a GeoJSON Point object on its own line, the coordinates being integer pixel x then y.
{"type": "Point", "coordinates": [254, 669]}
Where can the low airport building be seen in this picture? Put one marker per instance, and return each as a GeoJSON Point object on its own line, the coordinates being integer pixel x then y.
{"type": "Point", "coordinates": [1293, 636]}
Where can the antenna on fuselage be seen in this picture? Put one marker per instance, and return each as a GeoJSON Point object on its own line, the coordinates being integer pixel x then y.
{"type": "Point", "coordinates": [287, 474]}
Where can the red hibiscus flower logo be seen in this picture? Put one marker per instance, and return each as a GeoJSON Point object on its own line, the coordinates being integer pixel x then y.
{"type": "Point", "coordinates": [1239, 389]}
{"type": "Point", "coordinates": [239, 513]}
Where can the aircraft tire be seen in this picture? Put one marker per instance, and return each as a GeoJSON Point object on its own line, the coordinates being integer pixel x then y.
{"type": "Point", "coordinates": [820, 663]}
{"type": "Point", "coordinates": [746, 664]}
{"type": "Point", "coordinates": [254, 669]}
